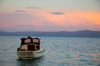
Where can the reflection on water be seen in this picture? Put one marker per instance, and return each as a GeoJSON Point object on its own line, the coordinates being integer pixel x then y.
{"type": "Point", "coordinates": [32, 62]}
{"type": "Point", "coordinates": [60, 51]}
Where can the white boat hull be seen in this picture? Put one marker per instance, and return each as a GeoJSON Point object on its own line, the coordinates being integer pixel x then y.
{"type": "Point", "coordinates": [30, 54]}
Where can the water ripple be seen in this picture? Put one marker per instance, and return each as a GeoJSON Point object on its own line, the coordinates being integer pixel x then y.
{"type": "Point", "coordinates": [60, 51]}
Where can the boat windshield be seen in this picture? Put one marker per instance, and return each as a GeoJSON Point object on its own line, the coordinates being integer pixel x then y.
{"type": "Point", "coordinates": [32, 40]}
{"type": "Point", "coordinates": [27, 41]}
{"type": "Point", "coordinates": [35, 40]}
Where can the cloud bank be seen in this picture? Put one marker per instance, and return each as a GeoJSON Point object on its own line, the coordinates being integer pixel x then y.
{"type": "Point", "coordinates": [19, 11]}
{"type": "Point", "coordinates": [50, 20]}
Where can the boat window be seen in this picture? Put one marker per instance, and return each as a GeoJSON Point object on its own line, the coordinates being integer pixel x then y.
{"type": "Point", "coordinates": [35, 40]}
{"type": "Point", "coordinates": [28, 41]}
{"type": "Point", "coordinates": [24, 47]}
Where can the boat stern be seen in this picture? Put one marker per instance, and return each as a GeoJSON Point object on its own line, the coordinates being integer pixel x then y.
{"type": "Point", "coordinates": [26, 54]}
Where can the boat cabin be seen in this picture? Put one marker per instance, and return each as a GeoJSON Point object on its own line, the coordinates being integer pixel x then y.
{"type": "Point", "coordinates": [29, 44]}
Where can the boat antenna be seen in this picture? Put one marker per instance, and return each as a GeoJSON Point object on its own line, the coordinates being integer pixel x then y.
{"type": "Point", "coordinates": [29, 37]}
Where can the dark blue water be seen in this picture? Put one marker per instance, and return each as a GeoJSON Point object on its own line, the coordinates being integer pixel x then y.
{"type": "Point", "coordinates": [60, 51]}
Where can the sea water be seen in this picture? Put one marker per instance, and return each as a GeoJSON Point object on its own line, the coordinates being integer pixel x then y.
{"type": "Point", "coordinates": [59, 51]}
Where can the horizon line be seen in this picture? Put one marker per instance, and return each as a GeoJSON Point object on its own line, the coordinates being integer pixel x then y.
{"type": "Point", "coordinates": [48, 31]}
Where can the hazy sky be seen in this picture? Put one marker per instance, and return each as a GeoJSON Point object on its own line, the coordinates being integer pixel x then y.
{"type": "Point", "coordinates": [49, 15]}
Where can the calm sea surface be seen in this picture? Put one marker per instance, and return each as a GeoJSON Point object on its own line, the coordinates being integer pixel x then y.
{"type": "Point", "coordinates": [60, 51]}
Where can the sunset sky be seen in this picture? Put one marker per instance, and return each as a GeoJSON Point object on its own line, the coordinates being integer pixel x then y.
{"type": "Point", "coordinates": [49, 15]}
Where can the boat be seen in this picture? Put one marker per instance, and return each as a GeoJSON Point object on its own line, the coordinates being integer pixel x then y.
{"type": "Point", "coordinates": [30, 48]}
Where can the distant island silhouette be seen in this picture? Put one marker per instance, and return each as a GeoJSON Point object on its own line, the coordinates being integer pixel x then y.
{"type": "Point", "coordinates": [83, 33]}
